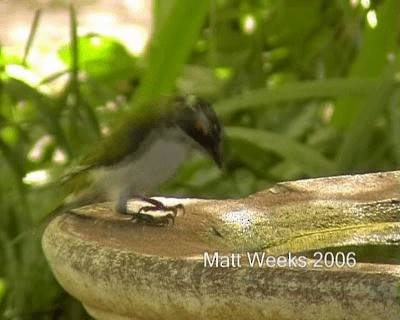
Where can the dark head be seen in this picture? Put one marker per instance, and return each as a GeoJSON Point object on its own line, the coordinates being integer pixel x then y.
{"type": "Point", "coordinates": [197, 118]}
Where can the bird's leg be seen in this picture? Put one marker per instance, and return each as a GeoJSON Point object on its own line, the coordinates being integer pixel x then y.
{"type": "Point", "coordinates": [122, 204]}
{"type": "Point", "coordinates": [143, 217]}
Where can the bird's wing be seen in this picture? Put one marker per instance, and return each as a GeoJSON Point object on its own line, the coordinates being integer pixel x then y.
{"type": "Point", "coordinates": [129, 134]}
{"type": "Point", "coordinates": [125, 140]}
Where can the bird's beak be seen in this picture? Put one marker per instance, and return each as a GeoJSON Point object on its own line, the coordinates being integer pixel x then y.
{"type": "Point", "coordinates": [217, 156]}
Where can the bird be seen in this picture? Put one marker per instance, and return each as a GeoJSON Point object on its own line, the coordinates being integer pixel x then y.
{"type": "Point", "coordinates": [141, 154]}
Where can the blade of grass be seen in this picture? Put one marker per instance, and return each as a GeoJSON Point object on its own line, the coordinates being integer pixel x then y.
{"type": "Point", "coordinates": [14, 163]}
{"type": "Point", "coordinates": [353, 149]}
{"type": "Point", "coordinates": [3, 288]}
{"type": "Point", "coordinates": [54, 76]}
{"type": "Point", "coordinates": [310, 161]}
{"type": "Point", "coordinates": [394, 111]}
{"type": "Point", "coordinates": [330, 88]}
{"type": "Point", "coordinates": [161, 11]}
{"type": "Point", "coordinates": [74, 54]}
{"type": "Point", "coordinates": [371, 61]}
{"type": "Point", "coordinates": [2, 68]}
{"type": "Point", "coordinates": [31, 36]}
{"type": "Point", "coordinates": [170, 48]}
{"type": "Point", "coordinates": [74, 86]}
{"type": "Point", "coordinates": [16, 296]}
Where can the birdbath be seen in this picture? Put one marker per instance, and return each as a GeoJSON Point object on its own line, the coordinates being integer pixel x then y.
{"type": "Point", "coordinates": [252, 258]}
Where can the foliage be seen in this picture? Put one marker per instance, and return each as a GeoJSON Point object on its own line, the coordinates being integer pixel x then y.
{"type": "Point", "coordinates": [304, 89]}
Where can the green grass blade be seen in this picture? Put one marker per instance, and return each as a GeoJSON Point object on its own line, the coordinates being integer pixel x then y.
{"type": "Point", "coordinates": [170, 48]}
{"type": "Point", "coordinates": [377, 44]}
{"type": "Point", "coordinates": [310, 161]}
{"type": "Point", "coordinates": [74, 54]}
{"type": "Point", "coordinates": [394, 111]}
{"type": "Point", "coordinates": [161, 11]}
{"type": "Point", "coordinates": [75, 68]}
{"type": "Point", "coordinates": [354, 149]}
{"type": "Point", "coordinates": [330, 88]}
{"type": "Point", "coordinates": [54, 76]}
{"type": "Point", "coordinates": [31, 36]}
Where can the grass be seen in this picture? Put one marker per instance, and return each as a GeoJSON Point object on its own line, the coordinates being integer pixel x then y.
{"type": "Point", "coordinates": [312, 90]}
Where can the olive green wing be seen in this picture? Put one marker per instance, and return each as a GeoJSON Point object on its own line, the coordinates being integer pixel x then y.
{"type": "Point", "coordinates": [125, 139]}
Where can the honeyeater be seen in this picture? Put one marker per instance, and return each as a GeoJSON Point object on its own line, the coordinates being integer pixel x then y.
{"type": "Point", "coordinates": [142, 153]}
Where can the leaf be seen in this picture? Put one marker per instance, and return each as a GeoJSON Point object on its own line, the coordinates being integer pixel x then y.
{"type": "Point", "coordinates": [354, 149]}
{"type": "Point", "coordinates": [372, 59]}
{"type": "Point", "coordinates": [311, 162]}
{"type": "Point", "coordinates": [32, 34]}
{"type": "Point", "coordinates": [103, 58]}
{"type": "Point", "coordinates": [330, 88]}
{"type": "Point", "coordinates": [170, 48]}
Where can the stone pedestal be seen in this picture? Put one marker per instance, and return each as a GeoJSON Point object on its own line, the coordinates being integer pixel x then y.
{"type": "Point", "coordinates": [123, 270]}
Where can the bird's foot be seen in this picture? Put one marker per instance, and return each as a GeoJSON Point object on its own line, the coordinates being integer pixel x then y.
{"type": "Point", "coordinates": [143, 216]}
{"type": "Point", "coordinates": [150, 220]}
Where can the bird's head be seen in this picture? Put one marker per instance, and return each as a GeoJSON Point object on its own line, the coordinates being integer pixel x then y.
{"type": "Point", "coordinates": [197, 118]}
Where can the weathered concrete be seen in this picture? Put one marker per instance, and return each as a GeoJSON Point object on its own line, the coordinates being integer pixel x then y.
{"type": "Point", "coordinates": [122, 270]}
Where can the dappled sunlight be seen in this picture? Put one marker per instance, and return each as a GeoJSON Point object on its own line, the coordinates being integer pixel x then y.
{"type": "Point", "coordinates": [39, 177]}
{"type": "Point", "coordinates": [249, 24]}
{"type": "Point", "coordinates": [372, 19]}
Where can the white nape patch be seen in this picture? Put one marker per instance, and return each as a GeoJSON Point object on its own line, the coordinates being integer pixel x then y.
{"type": "Point", "coordinates": [155, 161]}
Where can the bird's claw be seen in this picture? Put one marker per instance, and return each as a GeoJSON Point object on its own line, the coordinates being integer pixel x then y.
{"type": "Point", "coordinates": [148, 219]}
{"type": "Point", "coordinates": [161, 221]}
{"type": "Point", "coordinates": [174, 209]}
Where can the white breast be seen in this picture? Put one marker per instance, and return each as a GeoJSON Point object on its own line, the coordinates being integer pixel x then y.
{"type": "Point", "coordinates": [154, 163]}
